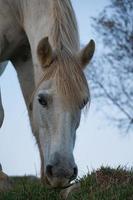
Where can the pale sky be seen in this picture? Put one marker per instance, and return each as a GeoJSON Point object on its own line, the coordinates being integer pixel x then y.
{"type": "Point", "coordinates": [98, 143]}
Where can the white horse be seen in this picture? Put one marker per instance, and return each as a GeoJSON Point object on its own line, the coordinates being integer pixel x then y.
{"type": "Point", "coordinates": [2, 68]}
{"type": "Point", "coordinates": [41, 39]}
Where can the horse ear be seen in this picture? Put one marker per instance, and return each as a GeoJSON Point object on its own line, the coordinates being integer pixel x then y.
{"type": "Point", "coordinates": [86, 53]}
{"type": "Point", "coordinates": [44, 52]}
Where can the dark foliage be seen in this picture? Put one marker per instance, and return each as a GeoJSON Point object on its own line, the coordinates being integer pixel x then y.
{"type": "Point", "coordinates": [112, 73]}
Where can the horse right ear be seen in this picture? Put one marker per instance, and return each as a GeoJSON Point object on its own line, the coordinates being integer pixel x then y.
{"type": "Point", "coordinates": [44, 52]}
{"type": "Point", "coordinates": [86, 53]}
{"type": "Point", "coordinates": [1, 111]}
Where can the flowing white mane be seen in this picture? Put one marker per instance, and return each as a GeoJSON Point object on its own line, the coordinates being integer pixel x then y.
{"type": "Point", "coordinates": [67, 70]}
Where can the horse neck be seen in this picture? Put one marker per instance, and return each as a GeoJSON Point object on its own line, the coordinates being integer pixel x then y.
{"type": "Point", "coordinates": [25, 73]}
{"type": "Point", "coordinates": [46, 19]}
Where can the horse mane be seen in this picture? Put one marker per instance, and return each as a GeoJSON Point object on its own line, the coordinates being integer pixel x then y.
{"type": "Point", "coordinates": [67, 71]}
{"type": "Point", "coordinates": [65, 30]}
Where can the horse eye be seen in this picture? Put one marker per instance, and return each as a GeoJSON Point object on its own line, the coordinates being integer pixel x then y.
{"type": "Point", "coordinates": [85, 101]}
{"type": "Point", "coordinates": [42, 100]}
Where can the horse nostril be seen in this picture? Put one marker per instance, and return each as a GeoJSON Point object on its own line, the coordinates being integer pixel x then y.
{"type": "Point", "coordinates": [54, 171]}
{"type": "Point", "coordinates": [75, 173]}
{"type": "Point", "coordinates": [49, 170]}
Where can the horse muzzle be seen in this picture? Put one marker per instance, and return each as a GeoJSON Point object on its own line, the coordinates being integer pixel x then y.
{"type": "Point", "coordinates": [61, 171]}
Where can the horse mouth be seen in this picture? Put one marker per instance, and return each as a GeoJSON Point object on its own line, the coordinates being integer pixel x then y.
{"type": "Point", "coordinates": [47, 183]}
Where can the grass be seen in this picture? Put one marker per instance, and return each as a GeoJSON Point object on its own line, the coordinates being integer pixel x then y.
{"type": "Point", "coordinates": [103, 184]}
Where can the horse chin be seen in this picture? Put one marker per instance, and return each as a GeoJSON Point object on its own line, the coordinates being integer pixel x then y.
{"type": "Point", "coordinates": [56, 183]}
{"type": "Point", "coordinates": [45, 182]}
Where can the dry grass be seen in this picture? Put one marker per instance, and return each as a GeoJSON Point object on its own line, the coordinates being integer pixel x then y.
{"type": "Point", "coordinates": [103, 184]}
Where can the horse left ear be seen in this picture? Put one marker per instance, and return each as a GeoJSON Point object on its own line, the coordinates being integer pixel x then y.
{"type": "Point", "coordinates": [44, 52]}
{"type": "Point", "coordinates": [86, 53]}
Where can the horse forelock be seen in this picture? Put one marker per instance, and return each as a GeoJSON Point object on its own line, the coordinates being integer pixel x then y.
{"type": "Point", "coordinates": [69, 79]}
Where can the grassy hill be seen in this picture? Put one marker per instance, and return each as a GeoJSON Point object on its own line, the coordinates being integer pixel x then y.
{"type": "Point", "coordinates": [103, 184]}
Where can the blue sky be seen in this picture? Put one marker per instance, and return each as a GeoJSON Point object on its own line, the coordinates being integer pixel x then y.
{"type": "Point", "coordinates": [98, 143]}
